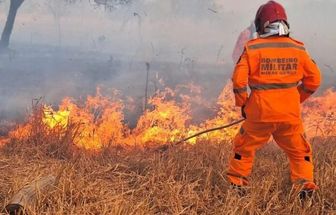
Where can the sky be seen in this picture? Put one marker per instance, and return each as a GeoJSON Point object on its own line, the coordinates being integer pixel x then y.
{"type": "Point", "coordinates": [149, 30]}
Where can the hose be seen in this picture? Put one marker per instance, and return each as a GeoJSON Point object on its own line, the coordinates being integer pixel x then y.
{"type": "Point", "coordinates": [165, 147]}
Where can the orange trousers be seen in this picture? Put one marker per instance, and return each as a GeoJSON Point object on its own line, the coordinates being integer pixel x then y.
{"type": "Point", "coordinates": [289, 137]}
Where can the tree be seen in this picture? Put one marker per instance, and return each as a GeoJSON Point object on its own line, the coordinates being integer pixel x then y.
{"type": "Point", "coordinates": [5, 37]}
{"type": "Point", "coordinates": [15, 5]}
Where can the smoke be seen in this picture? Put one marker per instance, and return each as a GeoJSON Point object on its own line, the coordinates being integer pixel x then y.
{"type": "Point", "coordinates": [67, 50]}
{"type": "Point", "coordinates": [153, 28]}
{"type": "Point", "coordinates": [147, 30]}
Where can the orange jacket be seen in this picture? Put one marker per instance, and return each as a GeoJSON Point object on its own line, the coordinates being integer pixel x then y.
{"type": "Point", "coordinates": [280, 74]}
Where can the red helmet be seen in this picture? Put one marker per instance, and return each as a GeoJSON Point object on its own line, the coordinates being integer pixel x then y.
{"type": "Point", "coordinates": [268, 13]}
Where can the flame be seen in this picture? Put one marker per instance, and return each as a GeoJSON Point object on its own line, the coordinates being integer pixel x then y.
{"type": "Point", "coordinates": [55, 118]}
{"type": "Point", "coordinates": [165, 122]}
{"type": "Point", "coordinates": [3, 141]}
{"type": "Point", "coordinates": [319, 114]}
{"type": "Point", "coordinates": [99, 120]}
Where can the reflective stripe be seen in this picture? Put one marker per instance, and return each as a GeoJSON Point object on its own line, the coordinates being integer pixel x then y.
{"type": "Point", "coordinates": [237, 176]}
{"type": "Point", "coordinates": [301, 181]}
{"type": "Point", "coordinates": [275, 45]}
{"type": "Point", "coordinates": [241, 130]}
{"type": "Point", "coordinates": [240, 90]}
{"type": "Point", "coordinates": [306, 90]}
{"type": "Point", "coordinates": [272, 86]}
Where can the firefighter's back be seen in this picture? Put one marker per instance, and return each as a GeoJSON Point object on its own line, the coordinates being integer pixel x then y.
{"type": "Point", "coordinates": [276, 66]}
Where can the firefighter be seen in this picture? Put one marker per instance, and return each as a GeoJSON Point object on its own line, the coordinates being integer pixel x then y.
{"type": "Point", "coordinates": [280, 75]}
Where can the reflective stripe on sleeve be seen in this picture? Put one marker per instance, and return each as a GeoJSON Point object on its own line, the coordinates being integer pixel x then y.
{"type": "Point", "coordinates": [275, 45]}
{"type": "Point", "coordinates": [272, 86]}
{"type": "Point", "coordinates": [240, 90]}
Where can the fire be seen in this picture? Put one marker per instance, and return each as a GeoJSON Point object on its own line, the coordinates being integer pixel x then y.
{"type": "Point", "coordinates": [55, 118]}
{"type": "Point", "coordinates": [3, 141]}
{"type": "Point", "coordinates": [99, 121]}
{"type": "Point", "coordinates": [319, 114]}
{"type": "Point", "coordinates": [227, 113]}
{"type": "Point", "coordinates": [164, 123]}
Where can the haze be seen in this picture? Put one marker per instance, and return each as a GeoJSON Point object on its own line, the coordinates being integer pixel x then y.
{"type": "Point", "coordinates": [53, 42]}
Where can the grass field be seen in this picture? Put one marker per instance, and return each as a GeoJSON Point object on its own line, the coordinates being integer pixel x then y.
{"type": "Point", "coordinates": [105, 167]}
{"type": "Point", "coordinates": [184, 180]}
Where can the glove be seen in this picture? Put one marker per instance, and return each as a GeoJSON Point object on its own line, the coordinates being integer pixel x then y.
{"type": "Point", "coordinates": [243, 111]}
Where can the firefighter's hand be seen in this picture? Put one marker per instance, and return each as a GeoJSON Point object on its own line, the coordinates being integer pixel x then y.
{"type": "Point", "coordinates": [243, 112]}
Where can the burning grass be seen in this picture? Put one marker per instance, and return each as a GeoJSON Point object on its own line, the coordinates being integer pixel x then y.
{"type": "Point", "coordinates": [109, 168]}
{"type": "Point", "coordinates": [99, 121]}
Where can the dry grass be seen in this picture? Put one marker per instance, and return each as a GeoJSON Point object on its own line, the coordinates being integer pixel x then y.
{"type": "Point", "coordinates": [185, 180]}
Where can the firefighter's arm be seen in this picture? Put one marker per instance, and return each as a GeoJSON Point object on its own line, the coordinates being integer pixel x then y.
{"type": "Point", "coordinates": [311, 79]}
{"type": "Point", "coordinates": [240, 80]}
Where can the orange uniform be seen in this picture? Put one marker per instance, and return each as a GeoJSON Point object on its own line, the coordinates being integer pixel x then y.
{"type": "Point", "coordinates": [280, 75]}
